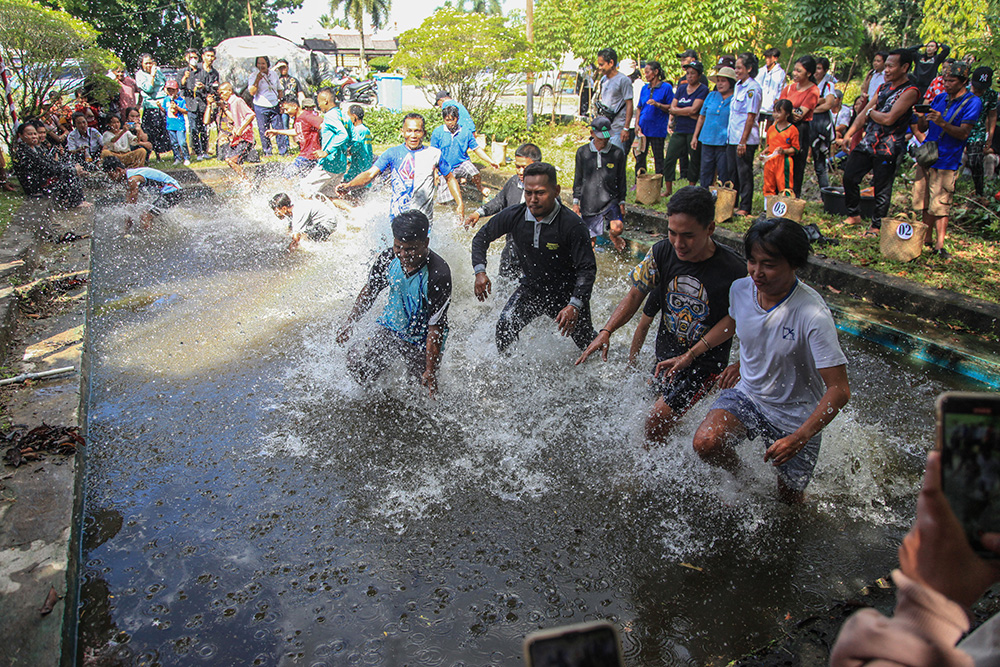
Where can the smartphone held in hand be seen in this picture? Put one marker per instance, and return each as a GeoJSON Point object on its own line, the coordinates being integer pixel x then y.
{"type": "Point", "coordinates": [968, 435]}
{"type": "Point", "coordinates": [594, 644]}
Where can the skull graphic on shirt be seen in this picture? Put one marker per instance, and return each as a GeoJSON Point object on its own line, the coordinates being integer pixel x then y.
{"type": "Point", "coordinates": [686, 307]}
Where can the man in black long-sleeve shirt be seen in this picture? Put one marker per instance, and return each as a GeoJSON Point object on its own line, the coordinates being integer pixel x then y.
{"type": "Point", "coordinates": [556, 257]}
{"type": "Point", "coordinates": [512, 194]}
{"type": "Point", "coordinates": [599, 184]}
{"type": "Point", "coordinates": [927, 58]}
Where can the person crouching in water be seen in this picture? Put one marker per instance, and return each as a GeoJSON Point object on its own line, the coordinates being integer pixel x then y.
{"type": "Point", "coordinates": [308, 218]}
{"type": "Point", "coordinates": [168, 190]}
{"type": "Point", "coordinates": [792, 372]}
{"type": "Point", "coordinates": [414, 323]}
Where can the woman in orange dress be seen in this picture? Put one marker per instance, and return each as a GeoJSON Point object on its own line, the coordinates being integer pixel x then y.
{"type": "Point", "coordinates": [803, 93]}
{"type": "Point", "coordinates": [782, 145]}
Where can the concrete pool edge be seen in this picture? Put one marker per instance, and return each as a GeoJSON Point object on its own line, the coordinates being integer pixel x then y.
{"type": "Point", "coordinates": [40, 530]}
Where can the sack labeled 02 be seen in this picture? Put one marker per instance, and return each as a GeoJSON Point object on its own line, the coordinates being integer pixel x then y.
{"type": "Point", "coordinates": [902, 239]}
{"type": "Point", "coordinates": [725, 200]}
{"type": "Point", "coordinates": [785, 205]}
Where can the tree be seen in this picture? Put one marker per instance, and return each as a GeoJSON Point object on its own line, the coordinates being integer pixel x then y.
{"type": "Point", "coordinates": [354, 12]}
{"type": "Point", "coordinates": [958, 23]}
{"type": "Point", "coordinates": [327, 22]}
{"type": "Point", "coordinates": [476, 57]}
{"type": "Point", "coordinates": [38, 44]}
{"type": "Point", "coordinates": [555, 22]}
{"type": "Point", "coordinates": [481, 6]}
{"type": "Point", "coordinates": [813, 24]}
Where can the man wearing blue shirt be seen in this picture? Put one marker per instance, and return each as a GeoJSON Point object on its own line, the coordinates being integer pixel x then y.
{"type": "Point", "coordinates": [950, 120]}
{"type": "Point", "coordinates": [455, 142]}
{"type": "Point", "coordinates": [412, 171]}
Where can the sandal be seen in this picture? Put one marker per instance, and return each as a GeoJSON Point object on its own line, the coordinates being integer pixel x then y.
{"type": "Point", "coordinates": [869, 233]}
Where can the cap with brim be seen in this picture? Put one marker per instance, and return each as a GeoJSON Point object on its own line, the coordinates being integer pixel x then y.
{"type": "Point", "coordinates": [172, 83]}
{"type": "Point", "coordinates": [688, 53]}
{"type": "Point", "coordinates": [958, 69]}
{"type": "Point", "coordinates": [602, 127]}
{"type": "Point", "coordinates": [696, 66]}
{"type": "Point", "coordinates": [444, 94]}
{"type": "Point", "coordinates": [280, 63]}
{"type": "Point", "coordinates": [724, 73]}
{"type": "Point", "coordinates": [982, 78]}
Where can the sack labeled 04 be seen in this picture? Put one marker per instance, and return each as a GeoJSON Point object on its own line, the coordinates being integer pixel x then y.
{"type": "Point", "coordinates": [902, 239]}
{"type": "Point", "coordinates": [785, 205]}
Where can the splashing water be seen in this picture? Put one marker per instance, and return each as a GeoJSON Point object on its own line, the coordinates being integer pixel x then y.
{"type": "Point", "coordinates": [246, 499]}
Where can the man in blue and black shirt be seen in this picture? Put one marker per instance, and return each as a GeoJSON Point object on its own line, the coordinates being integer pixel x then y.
{"type": "Point", "coordinates": [414, 323]}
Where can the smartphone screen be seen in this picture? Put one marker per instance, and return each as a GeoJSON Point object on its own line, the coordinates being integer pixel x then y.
{"type": "Point", "coordinates": [584, 645]}
{"type": "Point", "coordinates": [969, 437]}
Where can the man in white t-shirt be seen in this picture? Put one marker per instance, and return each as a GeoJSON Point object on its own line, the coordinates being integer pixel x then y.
{"type": "Point", "coordinates": [615, 101]}
{"type": "Point", "coordinates": [792, 372]}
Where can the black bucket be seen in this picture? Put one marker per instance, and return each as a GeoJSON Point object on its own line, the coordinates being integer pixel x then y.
{"type": "Point", "coordinates": [834, 203]}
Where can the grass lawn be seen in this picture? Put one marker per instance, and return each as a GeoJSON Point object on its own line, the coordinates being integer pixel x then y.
{"type": "Point", "coordinates": [9, 202]}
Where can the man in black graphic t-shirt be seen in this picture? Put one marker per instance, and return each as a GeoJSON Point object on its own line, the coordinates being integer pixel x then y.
{"type": "Point", "coordinates": [687, 277]}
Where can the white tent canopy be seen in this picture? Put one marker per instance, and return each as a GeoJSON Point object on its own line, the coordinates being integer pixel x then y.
{"type": "Point", "coordinates": [235, 58]}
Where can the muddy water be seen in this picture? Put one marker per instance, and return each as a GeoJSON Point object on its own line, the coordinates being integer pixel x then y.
{"type": "Point", "coordinates": [247, 503]}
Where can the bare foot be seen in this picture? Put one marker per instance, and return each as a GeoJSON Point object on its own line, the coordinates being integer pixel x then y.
{"type": "Point", "coordinates": [619, 243]}
{"type": "Point", "coordinates": [8, 187]}
{"type": "Point", "coordinates": [741, 212]}
{"type": "Point", "coordinates": [853, 220]}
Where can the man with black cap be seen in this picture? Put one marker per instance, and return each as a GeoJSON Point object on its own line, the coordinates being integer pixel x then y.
{"type": "Point", "coordinates": [688, 56]}
{"type": "Point", "coordinates": [599, 184]}
{"type": "Point", "coordinates": [981, 138]}
{"type": "Point", "coordinates": [557, 261]}
{"type": "Point", "coordinates": [414, 323]}
{"type": "Point", "coordinates": [444, 99]}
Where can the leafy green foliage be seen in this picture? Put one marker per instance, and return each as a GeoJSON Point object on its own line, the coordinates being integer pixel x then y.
{"type": "Point", "coordinates": [960, 23]}
{"type": "Point", "coordinates": [812, 24]}
{"type": "Point", "coordinates": [509, 124]}
{"type": "Point", "coordinates": [38, 44]}
{"type": "Point", "coordinates": [327, 22]}
{"type": "Point", "coordinates": [554, 27]}
{"type": "Point", "coordinates": [476, 57]}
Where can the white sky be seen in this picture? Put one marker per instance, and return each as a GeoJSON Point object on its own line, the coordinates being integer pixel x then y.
{"type": "Point", "coordinates": [405, 14]}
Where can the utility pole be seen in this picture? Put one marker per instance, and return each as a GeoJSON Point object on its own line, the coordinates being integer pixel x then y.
{"type": "Point", "coordinates": [250, 17]}
{"type": "Point", "coordinates": [530, 108]}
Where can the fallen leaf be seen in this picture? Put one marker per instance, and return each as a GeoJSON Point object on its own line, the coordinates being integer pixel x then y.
{"type": "Point", "coordinates": [693, 567]}
{"type": "Point", "coordinates": [50, 601]}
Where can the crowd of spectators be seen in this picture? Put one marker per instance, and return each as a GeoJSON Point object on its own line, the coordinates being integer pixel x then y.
{"type": "Point", "coordinates": [712, 126]}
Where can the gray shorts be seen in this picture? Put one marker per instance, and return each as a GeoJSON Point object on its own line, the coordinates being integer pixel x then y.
{"type": "Point", "coordinates": [797, 472]}
{"type": "Point", "coordinates": [319, 181]}
{"type": "Point", "coordinates": [463, 170]}
{"type": "Point", "coordinates": [373, 355]}
{"type": "Point", "coordinates": [597, 223]}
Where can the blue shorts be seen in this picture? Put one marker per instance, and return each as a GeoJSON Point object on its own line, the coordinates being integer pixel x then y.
{"type": "Point", "coordinates": [596, 223]}
{"type": "Point", "coordinates": [797, 472]}
{"type": "Point", "coordinates": [686, 387]}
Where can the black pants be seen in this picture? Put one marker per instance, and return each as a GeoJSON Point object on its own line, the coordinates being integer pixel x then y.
{"type": "Point", "coordinates": [199, 133]}
{"type": "Point", "coordinates": [799, 159]}
{"type": "Point", "coordinates": [154, 124]}
{"type": "Point", "coordinates": [883, 168]}
{"type": "Point", "coordinates": [525, 304]}
{"type": "Point", "coordinates": [655, 144]}
{"type": "Point", "coordinates": [974, 152]}
{"type": "Point", "coordinates": [679, 150]}
{"type": "Point", "coordinates": [627, 146]}
{"type": "Point", "coordinates": [741, 169]}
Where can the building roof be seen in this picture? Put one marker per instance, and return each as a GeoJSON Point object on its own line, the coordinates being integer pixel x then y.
{"type": "Point", "coordinates": [374, 46]}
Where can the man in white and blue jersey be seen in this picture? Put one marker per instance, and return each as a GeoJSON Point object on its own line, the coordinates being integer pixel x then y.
{"type": "Point", "coordinates": [166, 188]}
{"type": "Point", "coordinates": [414, 323]}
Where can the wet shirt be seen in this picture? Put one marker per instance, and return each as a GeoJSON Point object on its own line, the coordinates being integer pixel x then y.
{"type": "Point", "coordinates": [416, 301]}
{"type": "Point", "coordinates": [334, 136]}
{"type": "Point", "coordinates": [782, 351]}
{"type": "Point", "coordinates": [747, 99]}
{"type": "Point", "coordinates": [691, 297]}
{"type": "Point", "coordinates": [154, 179]}
{"type": "Point", "coordinates": [361, 151]}
{"type": "Point", "coordinates": [715, 129]}
{"type": "Point", "coordinates": [965, 109]}
{"type": "Point", "coordinates": [312, 219]}
{"type": "Point", "coordinates": [887, 140]}
{"type": "Point", "coordinates": [685, 99]}
{"type": "Point", "coordinates": [411, 177]}
{"type": "Point", "coordinates": [454, 146]}
{"type": "Point", "coordinates": [653, 121]}
{"type": "Point", "coordinates": [238, 112]}
{"type": "Point", "coordinates": [307, 133]}
{"type": "Point", "coordinates": [556, 254]}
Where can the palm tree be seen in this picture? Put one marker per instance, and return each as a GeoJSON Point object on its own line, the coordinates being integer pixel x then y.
{"type": "Point", "coordinates": [354, 12]}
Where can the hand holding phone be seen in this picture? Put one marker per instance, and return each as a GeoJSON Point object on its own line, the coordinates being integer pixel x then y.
{"type": "Point", "coordinates": [921, 108]}
{"type": "Point", "coordinates": [968, 435]}
{"type": "Point", "coordinates": [594, 644]}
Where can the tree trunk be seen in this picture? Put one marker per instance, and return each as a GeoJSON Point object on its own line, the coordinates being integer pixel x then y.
{"type": "Point", "coordinates": [363, 68]}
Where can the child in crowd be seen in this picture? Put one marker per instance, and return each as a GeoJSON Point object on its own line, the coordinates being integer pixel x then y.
{"type": "Point", "coordinates": [308, 218]}
{"type": "Point", "coordinates": [176, 110]}
{"type": "Point", "coordinates": [360, 143]}
{"type": "Point", "coordinates": [782, 144]}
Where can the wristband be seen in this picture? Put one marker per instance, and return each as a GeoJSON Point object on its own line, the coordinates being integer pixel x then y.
{"type": "Point", "coordinates": [608, 330]}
